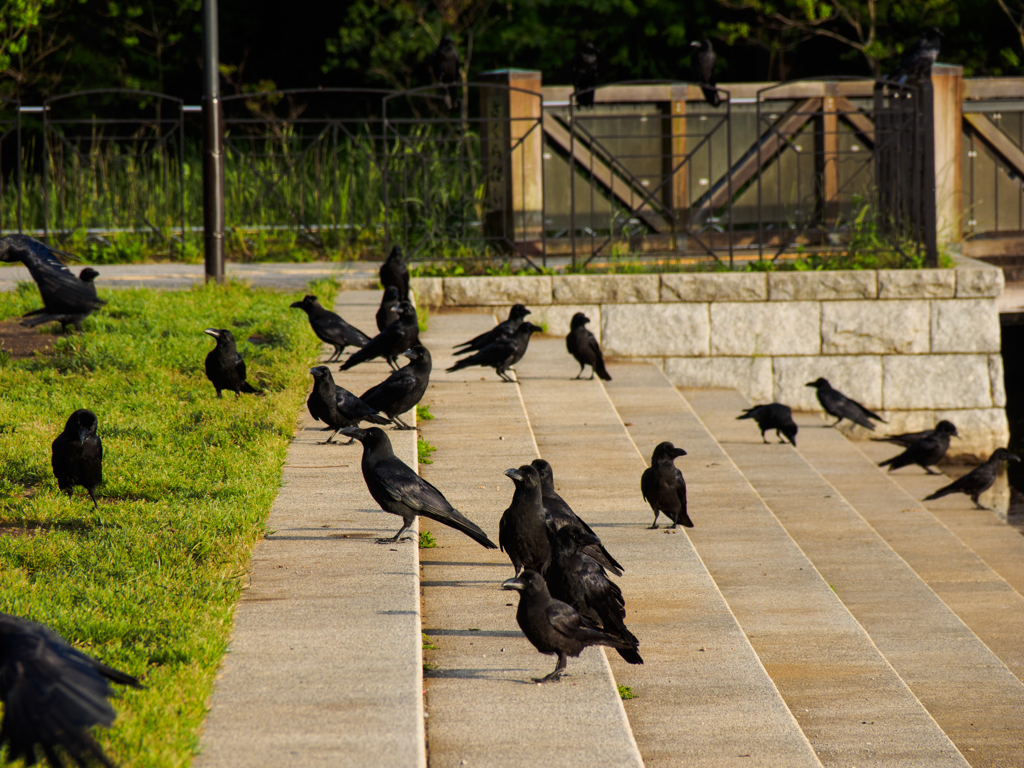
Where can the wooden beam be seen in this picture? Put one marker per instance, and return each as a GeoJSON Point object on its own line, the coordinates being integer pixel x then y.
{"type": "Point", "coordinates": [860, 122]}
{"type": "Point", "coordinates": [996, 139]}
{"type": "Point", "coordinates": [993, 87]}
{"type": "Point", "coordinates": [829, 159]}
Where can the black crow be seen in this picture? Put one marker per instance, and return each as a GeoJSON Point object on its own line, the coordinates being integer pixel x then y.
{"type": "Point", "coordinates": [978, 480]}
{"type": "Point", "coordinates": [575, 578]}
{"type": "Point", "coordinates": [584, 73]}
{"type": "Point", "coordinates": [907, 439]}
{"type": "Point", "coordinates": [52, 695]}
{"type": "Point", "coordinates": [926, 451]}
{"type": "Point", "coordinates": [842, 407]}
{"type": "Point", "coordinates": [523, 532]}
{"type": "Point", "coordinates": [400, 491]}
{"type": "Point", "coordinates": [404, 388]}
{"type": "Point", "coordinates": [584, 347]}
{"type": "Point", "coordinates": [394, 273]}
{"type": "Point", "coordinates": [337, 407]}
{"type": "Point", "coordinates": [66, 299]}
{"type": "Point", "coordinates": [502, 330]}
{"type": "Point", "coordinates": [401, 335]}
{"type": "Point", "coordinates": [663, 487]}
{"type": "Point", "coordinates": [501, 354]}
{"type": "Point", "coordinates": [559, 514]}
{"type": "Point", "coordinates": [330, 328]}
{"type": "Point", "coordinates": [702, 70]}
{"type": "Point", "coordinates": [225, 368]}
{"type": "Point", "coordinates": [918, 61]}
{"type": "Point", "coordinates": [77, 454]}
{"type": "Point", "coordinates": [444, 68]}
{"type": "Point", "coordinates": [773, 416]}
{"type": "Point", "coordinates": [553, 627]}
{"type": "Point", "coordinates": [387, 313]}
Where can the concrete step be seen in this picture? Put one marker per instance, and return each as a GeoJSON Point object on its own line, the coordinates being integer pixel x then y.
{"type": "Point", "coordinates": [971, 694]}
{"type": "Point", "coordinates": [324, 665]}
{"type": "Point", "coordinates": [850, 702]}
{"type": "Point", "coordinates": [483, 709]}
{"type": "Point", "coordinates": [976, 593]}
{"type": "Point", "coordinates": [701, 686]}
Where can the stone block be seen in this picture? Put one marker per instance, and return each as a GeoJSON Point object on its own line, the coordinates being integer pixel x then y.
{"type": "Point", "coordinates": [912, 382]}
{"type": "Point", "coordinates": [965, 325]}
{"type": "Point", "coordinates": [604, 289]}
{"type": "Point", "coordinates": [428, 291]}
{"type": "Point", "coordinates": [732, 286]}
{"type": "Point", "coordinates": [655, 330]}
{"type": "Point", "coordinates": [916, 283]}
{"type": "Point", "coordinates": [491, 291]}
{"type": "Point", "coordinates": [856, 376]}
{"type": "Point", "coordinates": [752, 376]}
{"type": "Point", "coordinates": [765, 328]}
{"type": "Point", "coordinates": [827, 285]}
{"type": "Point", "coordinates": [975, 279]}
{"type": "Point", "coordinates": [874, 327]}
{"type": "Point", "coordinates": [996, 380]}
{"type": "Point", "coordinates": [558, 316]}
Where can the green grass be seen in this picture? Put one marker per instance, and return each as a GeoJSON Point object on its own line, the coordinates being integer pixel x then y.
{"type": "Point", "coordinates": [427, 540]}
{"type": "Point", "coordinates": [423, 451]}
{"type": "Point", "coordinates": [625, 692]}
{"type": "Point", "coordinates": [148, 582]}
{"type": "Point", "coordinates": [423, 413]}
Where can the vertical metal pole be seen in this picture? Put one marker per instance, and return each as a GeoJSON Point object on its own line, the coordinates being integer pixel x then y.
{"type": "Point", "coordinates": [213, 155]}
{"type": "Point", "coordinates": [181, 172]}
{"type": "Point", "coordinates": [46, 174]}
{"type": "Point", "coordinates": [572, 181]}
{"type": "Point", "coordinates": [728, 166]}
{"type": "Point", "coordinates": [928, 190]}
{"type": "Point", "coordinates": [17, 145]}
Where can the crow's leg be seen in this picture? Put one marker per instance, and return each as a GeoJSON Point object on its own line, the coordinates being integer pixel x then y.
{"type": "Point", "coordinates": [929, 471]}
{"type": "Point", "coordinates": [393, 362]}
{"type": "Point", "coordinates": [555, 676]}
{"type": "Point", "coordinates": [593, 372]}
{"type": "Point", "coordinates": [400, 424]}
{"type": "Point", "coordinates": [763, 438]}
{"type": "Point", "coordinates": [654, 525]}
{"type": "Point", "coordinates": [330, 440]}
{"type": "Point", "coordinates": [977, 504]}
{"type": "Point", "coordinates": [778, 434]}
{"type": "Point", "coordinates": [219, 396]}
{"type": "Point", "coordinates": [837, 422]}
{"type": "Point", "coordinates": [582, 366]}
{"type": "Point", "coordinates": [394, 539]}
{"type": "Point", "coordinates": [94, 504]}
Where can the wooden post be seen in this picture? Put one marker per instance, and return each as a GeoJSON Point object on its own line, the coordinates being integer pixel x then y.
{"type": "Point", "coordinates": [948, 90]}
{"type": "Point", "coordinates": [827, 156]}
{"type": "Point", "coordinates": [679, 188]}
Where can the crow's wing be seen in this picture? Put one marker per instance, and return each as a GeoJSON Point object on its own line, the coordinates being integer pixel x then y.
{"type": "Point", "coordinates": [404, 485]}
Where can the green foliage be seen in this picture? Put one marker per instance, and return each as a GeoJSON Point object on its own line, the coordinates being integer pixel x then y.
{"type": "Point", "coordinates": [427, 540]}
{"type": "Point", "coordinates": [625, 692]}
{"type": "Point", "coordinates": [428, 643]}
{"type": "Point", "coordinates": [423, 413]}
{"type": "Point", "coordinates": [148, 581]}
{"type": "Point", "coordinates": [17, 19]}
{"type": "Point", "coordinates": [423, 451]}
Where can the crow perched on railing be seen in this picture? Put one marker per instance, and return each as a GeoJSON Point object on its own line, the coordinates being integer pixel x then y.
{"type": "Point", "coordinates": [585, 64]}
{"type": "Point", "coordinates": [702, 70]}
{"type": "Point", "coordinates": [444, 68]}
{"type": "Point", "coordinates": [917, 64]}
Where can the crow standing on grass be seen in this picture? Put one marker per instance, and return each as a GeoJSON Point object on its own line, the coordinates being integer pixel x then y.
{"type": "Point", "coordinates": [66, 299]}
{"type": "Point", "coordinates": [502, 330]}
{"type": "Point", "coordinates": [225, 368]}
{"type": "Point", "coordinates": [842, 407]}
{"type": "Point", "coordinates": [394, 273]}
{"type": "Point", "coordinates": [773, 416]}
{"type": "Point", "coordinates": [404, 388]}
{"type": "Point", "coordinates": [387, 313]}
{"type": "Point", "coordinates": [555, 628]}
{"type": "Point", "coordinates": [523, 532]}
{"type": "Point", "coordinates": [584, 73]}
{"type": "Point", "coordinates": [978, 480]}
{"type": "Point", "coordinates": [663, 486]}
{"type": "Point", "coordinates": [77, 454]}
{"type": "Point", "coordinates": [584, 347]}
{"type": "Point", "coordinates": [501, 354]}
{"type": "Point", "coordinates": [330, 328]}
{"type": "Point", "coordinates": [52, 696]}
{"type": "Point", "coordinates": [401, 335]}
{"type": "Point", "coordinates": [337, 407]}
{"type": "Point", "coordinates": [702, 70]}
{"type": "Point", "coordinates": [400, 491]}
{"type": "Point", "coordinates": [444, 68]}
{"type": "Point", "coordinates": [923, 448]}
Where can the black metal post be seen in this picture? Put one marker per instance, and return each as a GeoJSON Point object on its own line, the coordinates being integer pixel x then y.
{"type": "Point", "coordinates": [929, 215]}
{"type": "Point", "coordinates": [213, 155]}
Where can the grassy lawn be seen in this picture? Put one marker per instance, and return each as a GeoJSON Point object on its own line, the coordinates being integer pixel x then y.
{"type": "Point", "coordinates": [148, 582]}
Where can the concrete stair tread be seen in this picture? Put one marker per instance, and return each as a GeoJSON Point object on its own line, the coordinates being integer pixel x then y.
{"type": "Point", "coordinates": [849, 701]}
{"type": "Point", "coordinates": [324, 661]}
{"type": "Point", "coordinates": [972, 695]}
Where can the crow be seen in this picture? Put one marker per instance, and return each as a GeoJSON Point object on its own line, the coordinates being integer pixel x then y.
{"type": "Point", "coordinates": [77, 454]}
{"type": "Point", "coordinates": [66, 299]}
{"type": "Point", "coordinates": [337, 407]}
{"type": "Point", "coordinates": [52, 695]}
{"type": "Point", "coordinates": [501, 354]}
{"type": "Point", "coordinates": [553, 627]}
{"type": "Point", "coordinates": [584, 347]}
{"type": "Point", "coordinates": [978, 480]}
{"type": "Point", "coordinates": [225, 368]}
{"type": "Point", "coordinates": [842, 407]}
{"type": "Point", "coordinates": [926, 451]}
{"type": "Point", "coordinates": [702, 70]}
{"type": "Point", "coordinates": [330, 328]}
{"type": "Point", "coordinates": [663, 487]}
{"type": "Point", "coordinates": [558, 514]}
{"type": "Point", "coordinates": [907, 439]}
{"type": "Point", "coordinates": [575, 578]}
{"type": "Point", "coordinates": [404, 388]}
{"type": "Point", "coordinates": [394, 273]}
{"type": "Point", "coordinates": [444, 69]}
{"type": "Point", "coordinates": [917, 63]}
{"type": "Point", "coordinates": [584, 73]}
{"type": "Point", "coordinates": [522, 532]}
{"type": "Point", "coordinates": [773, 416]}
{"type": "Point", "coordinates": [502, 330]}
{"type": "Point", "coordinates": [400, 491]}
{"type": "Point", "coordinates": [401, 335]}
{"type": "Point", "coordinates": [388, 311]}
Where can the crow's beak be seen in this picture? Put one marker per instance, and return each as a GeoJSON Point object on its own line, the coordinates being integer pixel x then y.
{"type": "Point", "coordinates": [296, 305]}
{"type": "Point", "coordinates": [516, 584]}
{"type": "Point", "coordinates": [589, 538]}
{"type": "Point", "coordinates": [1013, 457]}
{"type": "Point", "coordinates": [810, 384]}
{"type": "Point", "coordinates": [356, 432]}
{"type": "Point", "coordinates": [411, 354]}
{"type": "Point", "coordinates": [213, 332]}
{"type": "Point", "coordinates": [313, 370]}
{"type": "Point", "coordinates": [83, 433]}
{"type": "Point", "coordinates": [515, 474]}
{"type": "Point", "coordinates": [678, 452]}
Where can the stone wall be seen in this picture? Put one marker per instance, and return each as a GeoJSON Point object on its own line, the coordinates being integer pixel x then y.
{"type": "Point", "coordinates": [916, 345]}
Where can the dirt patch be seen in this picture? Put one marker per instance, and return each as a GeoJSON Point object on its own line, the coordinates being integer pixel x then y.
{"type": "Point", "coordinates": [21, 343]}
